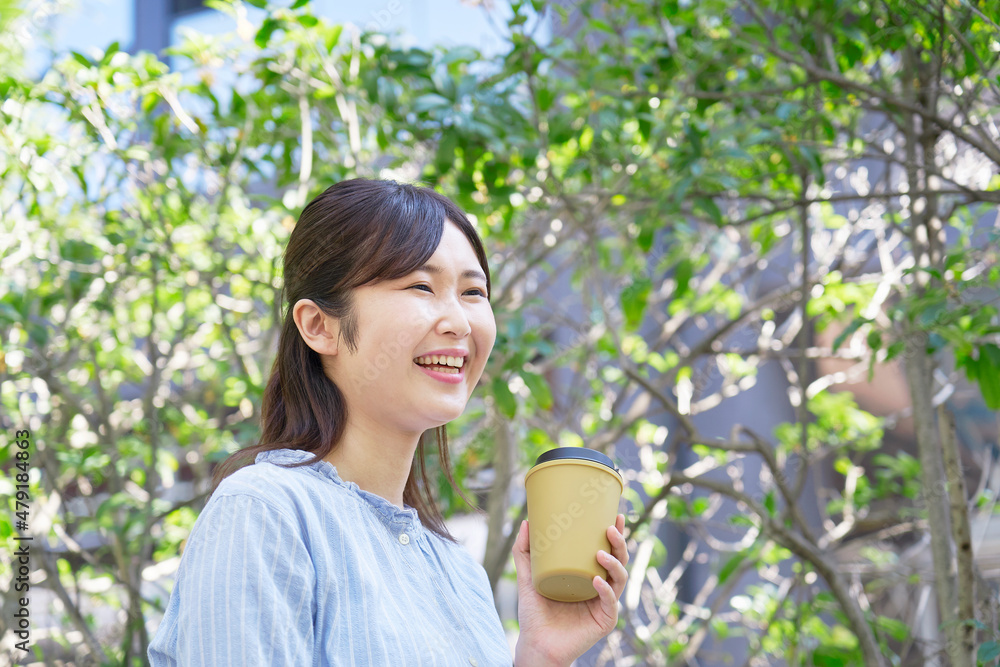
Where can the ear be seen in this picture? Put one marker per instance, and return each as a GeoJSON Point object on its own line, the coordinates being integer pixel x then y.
{"type": "Point", "coordinates": [320, 331]}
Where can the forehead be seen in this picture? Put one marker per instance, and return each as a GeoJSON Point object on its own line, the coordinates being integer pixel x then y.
{"type": "Point", "coordinates": [454, 250]}
{"type": "Point", "coordinates": [430, 267]}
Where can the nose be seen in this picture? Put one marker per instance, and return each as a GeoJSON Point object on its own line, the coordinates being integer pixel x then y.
{"type": "Point", "coordinates": [453, 319]}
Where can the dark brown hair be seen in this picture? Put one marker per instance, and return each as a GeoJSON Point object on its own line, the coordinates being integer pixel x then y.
{"type": "Point", "coordinates": [357, 232]}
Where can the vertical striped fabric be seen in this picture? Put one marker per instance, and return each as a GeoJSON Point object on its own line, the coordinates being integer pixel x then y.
{"type": "Point", "coordinates": [294, 566]}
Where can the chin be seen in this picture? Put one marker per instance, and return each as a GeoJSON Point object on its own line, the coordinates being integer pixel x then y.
{"type": "Point", "coordinates": [442, 416]}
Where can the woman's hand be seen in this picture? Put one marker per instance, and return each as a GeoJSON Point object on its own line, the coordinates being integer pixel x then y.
{"type": "Point", "coordinates": [557, 633]}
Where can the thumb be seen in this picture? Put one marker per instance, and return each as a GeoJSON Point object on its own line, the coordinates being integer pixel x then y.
{"type": "Point", "coordinates": [522, 556]}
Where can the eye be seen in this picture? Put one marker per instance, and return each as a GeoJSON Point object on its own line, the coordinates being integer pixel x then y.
{"type": "Point", "coordinates": [421, 285]}
{"type": "Point", "coordinates": [476, 291]}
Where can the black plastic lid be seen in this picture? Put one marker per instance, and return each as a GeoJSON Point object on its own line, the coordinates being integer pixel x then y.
{"type": "Point", "coordinates": [576, 453]}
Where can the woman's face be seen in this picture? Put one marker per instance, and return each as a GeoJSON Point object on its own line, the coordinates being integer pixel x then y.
{"type": "Point", "coordinates": [423, 341]}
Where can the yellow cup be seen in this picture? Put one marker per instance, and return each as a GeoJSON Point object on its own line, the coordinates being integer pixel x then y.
{"type": "Point", "coordinates": [573, 496]}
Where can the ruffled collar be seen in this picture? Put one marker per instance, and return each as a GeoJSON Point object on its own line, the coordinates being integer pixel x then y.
{"type": "Point", "coordinates": [394, 517]}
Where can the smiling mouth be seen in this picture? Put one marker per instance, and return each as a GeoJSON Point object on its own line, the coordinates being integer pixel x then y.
{"type": "Point", "coordinates": [441, 363]}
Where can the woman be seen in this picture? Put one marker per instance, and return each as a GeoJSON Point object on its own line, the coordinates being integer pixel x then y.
{"type": "Point", "coordinates": [328, 550]}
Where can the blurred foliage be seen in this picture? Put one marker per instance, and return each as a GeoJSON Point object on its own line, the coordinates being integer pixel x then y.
{"type": "Point", "coordinates": [645, 182]}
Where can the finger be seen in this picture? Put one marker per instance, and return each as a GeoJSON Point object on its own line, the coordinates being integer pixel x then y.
{"type": "Point", "coordinates": [609, 599]}
{"type": "Point", "coordinates": [616, 570]}
{"type": "Point", "coordinates": [522, 545]}
{"type": "Point", "coordinates": [522, 557]}
{"type": "Point", "coordinates": [618, 545]}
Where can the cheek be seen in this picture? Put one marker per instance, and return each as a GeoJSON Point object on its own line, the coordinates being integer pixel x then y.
{"type": "Point", "coordinates": [485, 326]}
{"type": "Point", "coordinates": [415, 312]}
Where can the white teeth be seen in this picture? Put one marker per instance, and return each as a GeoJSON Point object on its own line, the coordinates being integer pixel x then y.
{"type": "Point", "coordinates": [441, 360]}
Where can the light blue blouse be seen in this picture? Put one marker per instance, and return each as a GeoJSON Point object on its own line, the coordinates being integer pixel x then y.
{"type": "Point", "coordinates": [294, 566]}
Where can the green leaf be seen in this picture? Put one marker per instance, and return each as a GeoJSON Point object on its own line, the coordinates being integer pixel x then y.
{"type": "Point", "coordinates": [333, 37]}
{"type": "Point", "coordinates": [82, 59]}
{"type": "Point", "coordinates": [138, 153]}
{"type": "Point", "coordinates": [545, 98]}
{"type": "Point", "coordinates": [149, 102]}
{"type": "Point", "coordinates": [682, 274]}
{"type": "Point", "coordinates": [875, 340]}
{"type": "Point", "coordinates": [506, 402]}
{"type": "Point", "coordinates": [645, 238]}
{"type": "Point", "coordinates": [732, 565]}
{"type": "Point", "coordinates": [539, 387]}
{"type": "Point", "coordinates": [267, 28]}
{"type": "Point", "coordinates": [894, 350]}
{"type": "Point", "coordinates": [708, 205]}
{"type": "Point", "coordinates": [459, 54]}
{"type": "Point", "coordinates": [444, 158]}
{"type": "Point", "coordinates": [988, 652]}
{"type": "Point", "coordinates": [237, 106]}
{"type": "Point", "coordinates": [634, 299]}
{"type": "Point", "coordinates": [970, 365]}
{"type": "Point", "coordinates": [785, 110]}
{"type": "Point", "coordinates": [9, 314]}
{"type": "Point", "coordinates": [262, 4]}
{"type": "Point", "coordinates": [988, 375]}
{"type": "Point", "coordinates": [109, 53]}
{"type": "Point", "coordinates": [895, 628]}
{"type": "Point", "coordinates": [851, 328]}
{"type": "Point", "coordinates": [831, 656]}
{"type": "Point", "coordinates": [677, 508]}
{"type": "Point", "coordinates": [299, 3]}
{"type": "Point", "coordinates": [430, 101]}
{"type": "Point", "coordinates": [224, 6]}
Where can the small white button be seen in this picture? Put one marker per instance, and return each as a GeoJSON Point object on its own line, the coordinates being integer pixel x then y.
{"type": "Point", "coordinates": [472, 661]}
{"type": "Point", "coordinates": [404, 538]}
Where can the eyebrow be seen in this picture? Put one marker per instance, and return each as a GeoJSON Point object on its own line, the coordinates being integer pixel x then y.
{"type": "Point", "coordinates": [468, 273]}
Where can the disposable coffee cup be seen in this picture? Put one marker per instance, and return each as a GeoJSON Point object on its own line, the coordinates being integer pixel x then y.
{"type": "Point", "coordinates": [573, 496]}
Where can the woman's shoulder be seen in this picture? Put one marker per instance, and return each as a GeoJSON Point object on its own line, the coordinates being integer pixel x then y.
{"type": "Point", "coordinates": [282, 467]}
{"type": "Point", "coordinates": [302, 491]}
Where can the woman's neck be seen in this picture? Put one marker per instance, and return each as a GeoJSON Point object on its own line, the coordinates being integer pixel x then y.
{"type": "Point", "coordinates": [376, 460]}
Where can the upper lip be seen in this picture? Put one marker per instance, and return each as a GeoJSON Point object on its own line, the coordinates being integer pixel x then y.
{"type": "Point", "coordinates": [448, 352]}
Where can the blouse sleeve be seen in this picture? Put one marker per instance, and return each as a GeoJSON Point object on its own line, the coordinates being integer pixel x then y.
{"type": "Point", "coordinates": [245, 589]}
